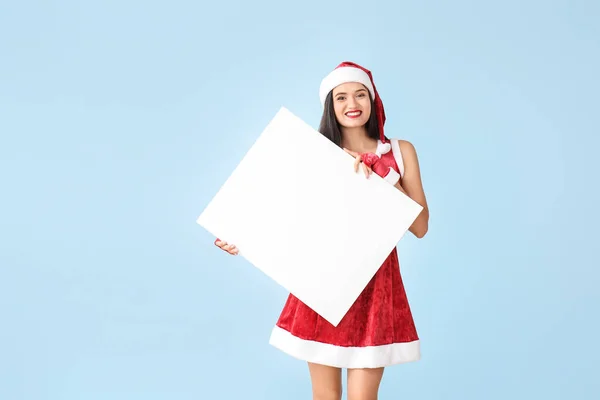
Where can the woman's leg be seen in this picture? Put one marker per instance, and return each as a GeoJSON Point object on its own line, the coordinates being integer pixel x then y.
{"type": "Point", "coordinates": [326, 382]}
{"type": "Point", "coordinates": [363, 384]}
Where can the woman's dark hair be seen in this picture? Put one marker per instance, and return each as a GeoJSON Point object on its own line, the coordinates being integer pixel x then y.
{"type": "Point", "coordinates": [330, 128]}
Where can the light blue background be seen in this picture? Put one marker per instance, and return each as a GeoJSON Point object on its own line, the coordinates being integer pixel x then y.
{"type": "Point", "coordinates": [119, 121]}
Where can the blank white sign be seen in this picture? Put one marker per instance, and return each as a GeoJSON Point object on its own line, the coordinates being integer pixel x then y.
{"type": "Point", "coordinates": [297, 211]}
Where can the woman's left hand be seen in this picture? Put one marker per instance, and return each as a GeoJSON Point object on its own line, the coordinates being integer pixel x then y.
{"type": "Point", "coordinates": [358, 161]}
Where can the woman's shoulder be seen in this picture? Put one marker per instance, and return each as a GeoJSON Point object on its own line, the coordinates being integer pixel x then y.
{"type": "Point", "coordinates": [410, 159]}
{"type": "Point", "coordinates": [404, 153]}
{"type": "Point", "coordinates": [405, 145]}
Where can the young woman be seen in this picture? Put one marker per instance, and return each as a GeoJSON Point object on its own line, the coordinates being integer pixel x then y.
{"type": "Point", "coordinates": [378, 330]}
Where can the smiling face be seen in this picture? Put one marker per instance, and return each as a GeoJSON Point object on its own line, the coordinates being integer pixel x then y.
{"type": "Point", "coordinates": [351, 104]}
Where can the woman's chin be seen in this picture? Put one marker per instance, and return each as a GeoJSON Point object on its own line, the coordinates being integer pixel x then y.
{"type": "Point", "coordinates": [353, 123]}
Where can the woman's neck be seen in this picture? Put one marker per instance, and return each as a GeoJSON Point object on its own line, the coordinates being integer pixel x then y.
{"type": "Point", "coordinates": [356, 139]}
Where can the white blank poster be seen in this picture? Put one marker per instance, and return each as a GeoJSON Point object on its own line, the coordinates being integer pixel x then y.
{"type": "Point", "coordinates": [297, 211]}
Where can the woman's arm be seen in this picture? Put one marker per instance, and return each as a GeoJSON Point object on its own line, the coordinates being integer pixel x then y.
{"type": "Point", "coordinates": [411, 185]}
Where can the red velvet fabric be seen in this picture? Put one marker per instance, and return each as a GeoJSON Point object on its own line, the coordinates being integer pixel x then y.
{"type": "Point", "coordinates": [381, 314]}
{"type": "Point", "coordinates": [381, 166]}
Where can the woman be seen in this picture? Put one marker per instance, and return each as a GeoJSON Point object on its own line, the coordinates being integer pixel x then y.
{"type": "Point", "coordinates": [378, 330]}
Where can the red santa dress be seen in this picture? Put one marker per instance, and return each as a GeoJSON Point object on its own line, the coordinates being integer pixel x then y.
{"type": "Point", "coordinates": [377, 331]}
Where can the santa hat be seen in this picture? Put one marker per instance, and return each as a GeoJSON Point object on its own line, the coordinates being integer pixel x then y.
{"type": "Point", "coordinates": [352, 72]}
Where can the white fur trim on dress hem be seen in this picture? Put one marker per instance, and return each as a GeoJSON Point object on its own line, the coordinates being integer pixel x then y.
{"type": "Point", "coordinates": [392, 177]}
{"type": "Point", "coordinates": [344, 357]}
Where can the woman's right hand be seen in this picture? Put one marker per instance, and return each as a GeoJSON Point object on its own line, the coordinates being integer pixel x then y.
{"type": "Point", "coordinates": [230, 248]}
{"type": "Point", "coordinates": [359, 159]}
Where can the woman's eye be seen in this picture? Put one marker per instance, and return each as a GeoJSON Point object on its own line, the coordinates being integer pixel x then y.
{"type": "Point", "coordinates": [340, 98]}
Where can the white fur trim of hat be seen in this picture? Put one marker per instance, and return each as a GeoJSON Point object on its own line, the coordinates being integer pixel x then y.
{"type": "Point", "coordinates": [344, 75]}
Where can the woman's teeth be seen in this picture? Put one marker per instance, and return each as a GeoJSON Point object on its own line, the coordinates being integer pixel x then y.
{"type": "Point", "coordinates": [353, 114]}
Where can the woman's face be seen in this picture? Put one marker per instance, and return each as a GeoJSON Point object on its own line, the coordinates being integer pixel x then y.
{"type": "Point", "coordinates": [351, 104]}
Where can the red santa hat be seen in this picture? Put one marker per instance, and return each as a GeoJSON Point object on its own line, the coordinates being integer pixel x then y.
{"type": "Point", "coordinates": [352, 72]}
